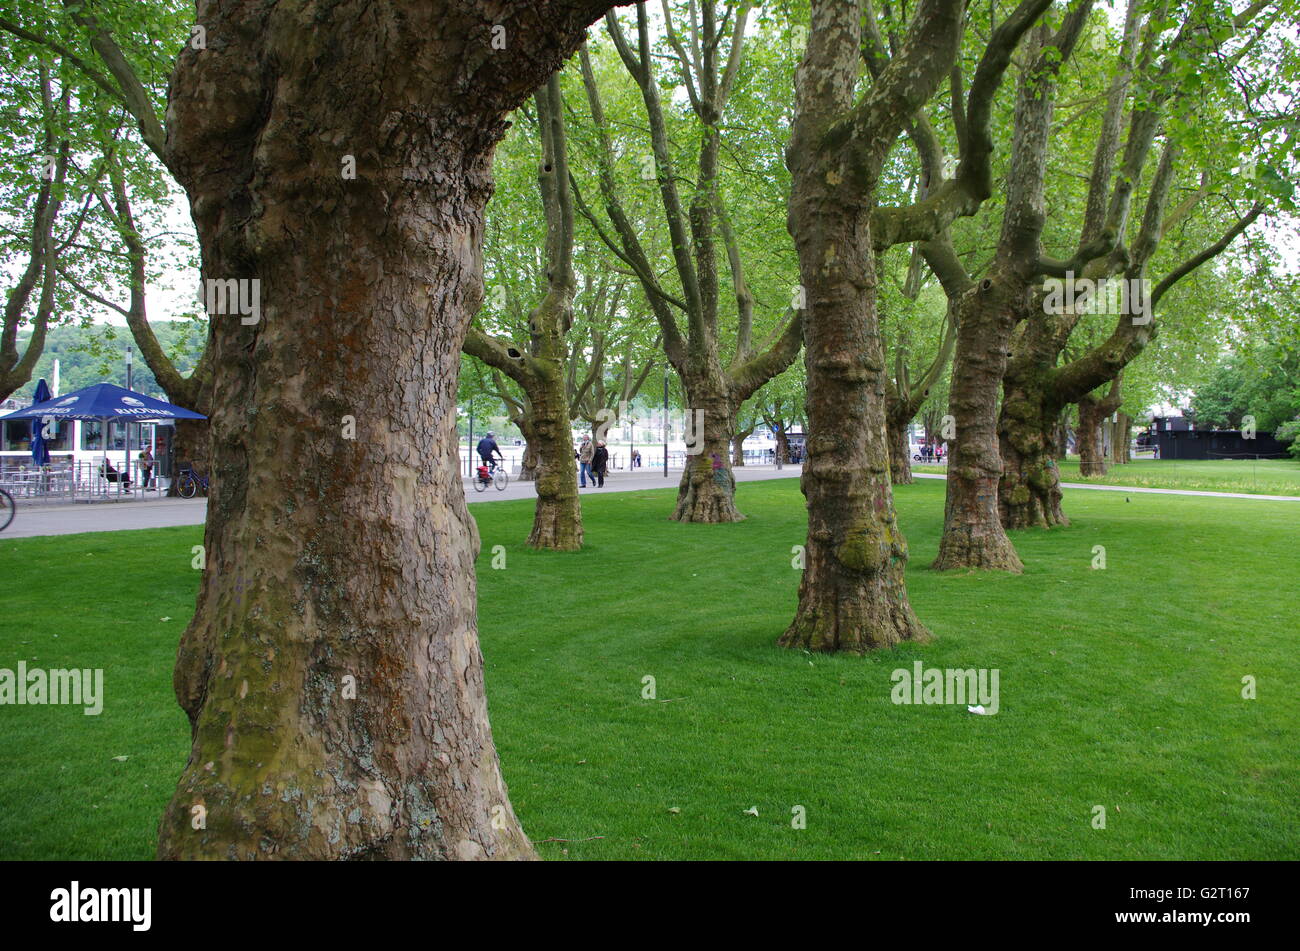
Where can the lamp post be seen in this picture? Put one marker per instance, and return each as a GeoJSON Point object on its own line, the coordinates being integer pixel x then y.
{"type": "Point", "coordinates": [126, 424]}
{"type": "Point", "coordinates": [631, 453]}
{"type": "Point", "coordinates": [665, 419]}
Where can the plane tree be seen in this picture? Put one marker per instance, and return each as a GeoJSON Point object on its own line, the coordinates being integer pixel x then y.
{"type": "Point", "coordinates": [706, 46]}
{"type": "Point", "coordinates": [538, 367]}
{"type": "Point", "coordinates": [119, 93]}
{"type": "Point", "coordinates": [36, 187]}
{"type": "Point", "coordinates": [1161, 202]}
{"type": "Point", "coordinates": [919, 334]}
{"type": "Point", "coordinates": [332, 673]}
{"type": "Point", "coordinates": [131, 203]}
{"type": "Point", "coordinates": [852, 596]}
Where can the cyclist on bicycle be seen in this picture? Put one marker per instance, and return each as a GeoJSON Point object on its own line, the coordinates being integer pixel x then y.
{"type": "Point", "coordinates": [486, 447]}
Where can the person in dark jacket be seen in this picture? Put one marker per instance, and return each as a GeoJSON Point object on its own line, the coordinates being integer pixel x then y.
{"type": "Point", "coordinates": [585, 454]}
{"type": "Point", "coordinates": [599, 463]}
{"type": "Point", "coordinates": [146, 465]}
{"type": "Point", "coordinates": [109, 472]}
{"type": "Point", "coordinates": [487, 447]}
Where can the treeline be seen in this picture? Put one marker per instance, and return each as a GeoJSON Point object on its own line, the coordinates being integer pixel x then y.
{"type": "Point", "coordinates": [96, 353]}
{"type": "Point", "coordinates": [1257, 386]}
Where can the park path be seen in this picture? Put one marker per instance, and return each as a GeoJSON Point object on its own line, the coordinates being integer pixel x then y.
{"type": "Point", "coordinates": [1133, 488]}
{"type": "Point", "coordinates": [71, 519]}
{"type": "Point", "coordinates": [66, 518]}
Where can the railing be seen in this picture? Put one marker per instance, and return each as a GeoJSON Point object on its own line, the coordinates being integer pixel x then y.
{"type": "Point", "coordinates": [652, 459]}
{"type": "Point", "coordinates": [79, 481]}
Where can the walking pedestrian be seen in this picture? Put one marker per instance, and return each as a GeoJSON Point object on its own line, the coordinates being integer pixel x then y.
{"type": "Point", "coordinates": [146, 466]}
{"type": "Point", "coordinates": [585, 453]}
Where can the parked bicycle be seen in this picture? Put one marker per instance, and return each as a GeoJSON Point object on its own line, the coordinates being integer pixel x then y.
{"type": "Point", "coordinates": [7, 509]}
{"type": "Point", "coordinates": [491, 474]}
{"type": "Point", "coordinates": [189, 481]}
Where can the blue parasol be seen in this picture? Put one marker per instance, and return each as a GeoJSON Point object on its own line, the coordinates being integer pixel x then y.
{"type": "Point", "coordinates": [105, 402]}
{"type": "Point", "coordinates": [40, 450]}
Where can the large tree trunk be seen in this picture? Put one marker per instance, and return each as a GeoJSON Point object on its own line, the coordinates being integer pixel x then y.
{"type": "Point", "coordinates": [782, 446]}
{"type": "Point", "coordinates": [1120, 446]}
{"type": "Point", "coordinates": [332, 672]}
{"type": "Point", "coordinates": [1092, 454]}
{"type": "Point", "coordinates": [334, 562]}
{"type": "Point", "coordinates": [1061, 435]}
{"type": "Point", "coordinates": [192, 445]}
{"type": "Point", "coordinates": [738, 447]}
{"type": "Point", "coordinates": [852, 596]}
{"type": "Point", "coordinates": [531, 458]}
{"type": "Point", "coordinates": [557, 518]}
{"type": "Point", "coordinates": [973, 536]}
{"type": "Point", "coordinates": [900, 456]}
{"type": "Point", "coordinates": [1029, 494]}
{"type": "Point", "coordinates": [707, 491]}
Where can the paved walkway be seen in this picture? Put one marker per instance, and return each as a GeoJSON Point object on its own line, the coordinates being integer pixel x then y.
{"type": "Point", "coordinates": [1135, 489]}
{"type": "Point", "coordinates": [71, 518]}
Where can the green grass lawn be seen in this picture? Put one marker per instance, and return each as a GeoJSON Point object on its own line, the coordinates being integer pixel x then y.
{"type": "Point", "coordinates": [1119, 687]}
{"type": "Point", "coordinates": [1254, 477]}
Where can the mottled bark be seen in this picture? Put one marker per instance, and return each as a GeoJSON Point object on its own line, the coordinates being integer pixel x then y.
{"type": "Point", "coordinates": [1029, 494]}
{"type": "Point", "coordinates": [973, 536]}
{"type": "Point", "coordinates": [707, 490]}
{"type": "Point", "coordinates": [541, 373]}
{"type": "Point", "coordinates": [985, 313]}
{"type": "Point", "coordinates": [1094, 421]}
{"type": "Point", "coordinates": [852, 596]}
{"type": "Point", "coordinates": [557, 517]}
{"type": "Point", "coordinates": [978, 501]}
{"type": "Point", "coordinates": [1120, 447]}
{"type": "Point", "coordinates": [1039, 384]}
{"type": "Point", "coordinates": [1092, 455]}
{"type": "Point", "coordinates": [332, 673]}
{"type": "Point", "coordinates": [900, 454]}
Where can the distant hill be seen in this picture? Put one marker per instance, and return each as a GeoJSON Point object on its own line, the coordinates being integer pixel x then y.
{"type": "Point", "coordinates": [97, 354]}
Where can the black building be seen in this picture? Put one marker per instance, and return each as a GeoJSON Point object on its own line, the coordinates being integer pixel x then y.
{"type": "Point", "coordinates": [1176, 439]}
